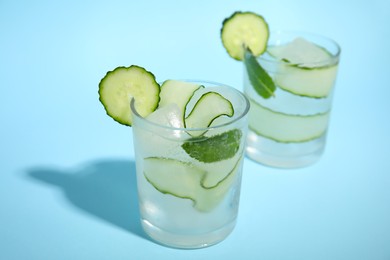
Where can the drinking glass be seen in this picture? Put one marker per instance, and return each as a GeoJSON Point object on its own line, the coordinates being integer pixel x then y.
{"type": "Point", "coordinates": [289, 129]}
{"type": "Point", "coordinates": [189, 179]}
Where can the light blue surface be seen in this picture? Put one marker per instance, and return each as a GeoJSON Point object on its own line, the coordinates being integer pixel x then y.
{"type": "Point", "coordinates": [67, 186]}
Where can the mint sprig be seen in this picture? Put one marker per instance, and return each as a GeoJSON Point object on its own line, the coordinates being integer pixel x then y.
{"type": "Point", "coordinates": [259, 78]}
{"type": "Point", "coordinates": [215, 148]}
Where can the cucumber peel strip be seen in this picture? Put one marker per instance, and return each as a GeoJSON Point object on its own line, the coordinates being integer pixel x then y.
{"type": "Point", "coordinates": [295, 128]}
{"type": "Point", "coordinates": [223, 179]}
{"type": "Point", "coordinates": [178, 92]}
{"type": "Point", "coordinates": [172, 174]}
{"type": "Point", "coordinates": [208, 108]}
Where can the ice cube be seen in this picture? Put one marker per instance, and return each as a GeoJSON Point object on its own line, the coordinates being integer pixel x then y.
{"type": "Point", "coordinates": [161, 141]}
{"type": "Point", "coordinates": [168, 115]}
{"type": "Point", "coordinates": [302, 52]}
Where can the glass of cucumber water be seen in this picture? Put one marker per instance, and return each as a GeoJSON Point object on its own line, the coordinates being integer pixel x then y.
{"type": "Point", "coordinates": [289, 79]}
{"type": "Point", "coordinates": [189, 159]}
{"type": "Point", "coordinates": [288, 129]}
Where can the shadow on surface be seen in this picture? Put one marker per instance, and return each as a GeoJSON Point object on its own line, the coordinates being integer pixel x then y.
{"type": "Point", "coordinates": [106, 189]}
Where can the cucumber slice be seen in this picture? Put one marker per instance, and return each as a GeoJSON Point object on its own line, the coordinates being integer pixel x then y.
{"type": "Point", "coordinates": [209, 107]}
{"type": "Point", "coordinates": [215, 148]}
{"type": "Point", "coordinates": [122, 84]}
{"type": "Point", "coordinates": [244, 29]}
{"type": "Point", "coordinates": [184, 180]}
{"type": "Point", "coordinates": [286, 128]}
{"type": "Point", "coordinates": [211, 197]}
{"type": "Point", "coordinates": [177, 92]}
{"type": "Point", "coordinates": [170, 176]}
{"type": "Point", "coordinates": [313, 82]}
{"type": "Point", "coordinates": [220, 171]}
{"type": "Point", "coordinates": [308, 71]}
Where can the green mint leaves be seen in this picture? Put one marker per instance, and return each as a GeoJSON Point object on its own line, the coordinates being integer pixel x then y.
{"type": "Point", "coordinates": [259, 78]}
{"type": "Point", "coordinates": [215, 148]}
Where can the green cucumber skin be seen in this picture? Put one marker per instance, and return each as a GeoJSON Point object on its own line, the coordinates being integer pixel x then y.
{"type": "Point", "coordinates": [168, 192]}
{"type": "Point", "coordinates": [197, 113]}
{"type": "Point", "coordinates": [233, 171]}
{"type": "Point", "coordinates": [200, 102]}
{"type": "Point", "coordinates": [298, 115]}
{"type": "Point", "coordinates": [286, 142]}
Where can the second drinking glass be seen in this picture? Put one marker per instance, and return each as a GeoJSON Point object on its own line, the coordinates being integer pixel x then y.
{"type": "Point", "coordinates": [289, 129]}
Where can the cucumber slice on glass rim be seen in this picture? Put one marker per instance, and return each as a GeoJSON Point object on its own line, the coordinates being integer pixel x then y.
{"type": "Point", "coordinates": [119, 86]}
{"type": "Point", "coordinates": [244, 29]}
{"type": "Point", "coordinates": [245, 37]}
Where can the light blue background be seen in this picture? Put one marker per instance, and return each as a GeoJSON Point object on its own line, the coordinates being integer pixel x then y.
{"type": "Point", "coordinates": [67, 186]}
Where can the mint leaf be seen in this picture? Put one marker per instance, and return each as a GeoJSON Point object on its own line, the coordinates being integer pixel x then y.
{"type": "Point", "coordinates": [259, 78]}
{"type": "Point", "coordinates": [215, 148]}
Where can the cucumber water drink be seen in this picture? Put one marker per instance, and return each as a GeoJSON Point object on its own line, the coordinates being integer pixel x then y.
{"type": "Point", "coordinates": [289, 129]}
{"type": "Point", "coordinates": [189, 155]}
{"type": "Point", "coordinates": [289, 79]}
{"type": "Point", "coordinates": [189, 144]}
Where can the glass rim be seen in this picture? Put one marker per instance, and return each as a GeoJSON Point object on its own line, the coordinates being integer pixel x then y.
{"type": "Point", "coordinates": [187, 129]}
{"type": "Point", "coordinates": [329, 61]}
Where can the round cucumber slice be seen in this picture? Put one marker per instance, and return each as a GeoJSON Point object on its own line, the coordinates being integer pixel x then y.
{"type": "Point", "coordinates": [286, 128]}
{"type": "Point", "coordinates": [244, 29]}
{"type": "Point", "coordinates": [122, 84]}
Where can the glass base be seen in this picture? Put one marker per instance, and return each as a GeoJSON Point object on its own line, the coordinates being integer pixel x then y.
{"type": "Point", "coordinates": [284, 155]}
{"type": "Point", "coordinates": [188, 241]}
